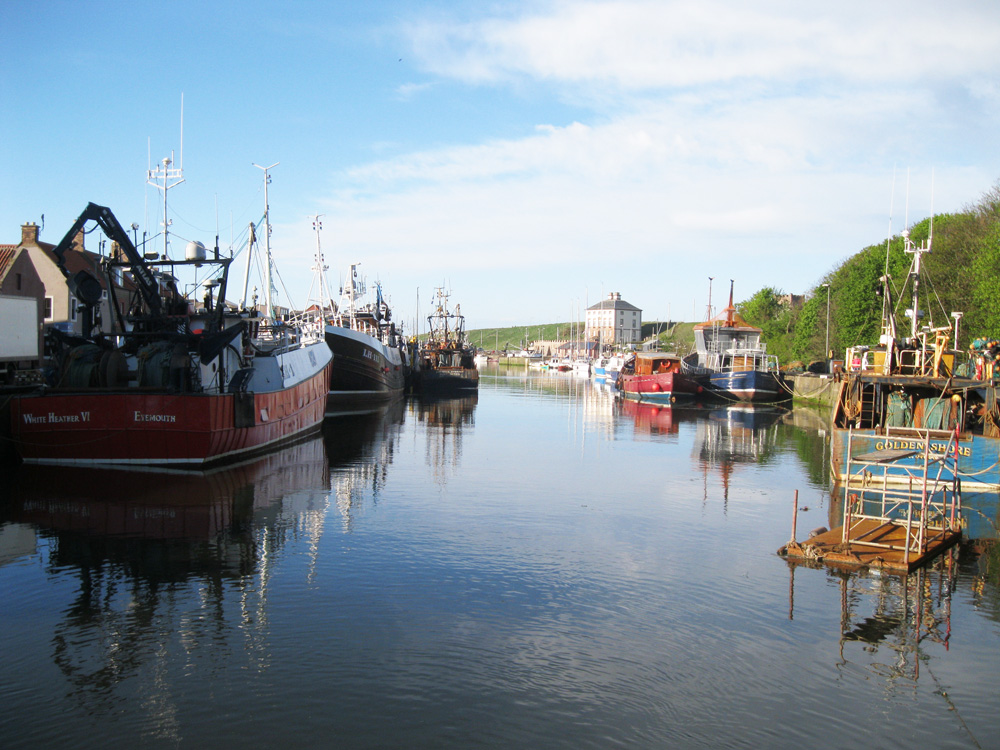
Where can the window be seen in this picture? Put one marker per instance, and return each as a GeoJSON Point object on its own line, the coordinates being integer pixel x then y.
{"type": "Point", "coordinates": [72, 308]}
{"type": "Point", "coordinates": [48, 308]}
{"type": "Point", "coordinates": [18, 282]}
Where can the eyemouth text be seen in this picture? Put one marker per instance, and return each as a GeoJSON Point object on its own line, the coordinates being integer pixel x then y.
{"type": "Point", "coordinates": [140, 417]}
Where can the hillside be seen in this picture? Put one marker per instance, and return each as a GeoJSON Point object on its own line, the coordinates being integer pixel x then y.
{"type": "Point", "coordinates": [673, 336]}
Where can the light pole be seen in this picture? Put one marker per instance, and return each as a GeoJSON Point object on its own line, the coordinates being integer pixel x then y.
{"type": "Point", "coordinates": [827, 328]}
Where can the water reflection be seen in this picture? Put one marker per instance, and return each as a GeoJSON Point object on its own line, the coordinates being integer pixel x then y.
{"type": "Point", "coordinates": [446, 420]}
{"type": "Point", "coordinates": [887, 620]}
{"type": "Point", "coordinates": [166, 560]}
{"type": "Point", "coordinates": [134, 539]}
{"type": "Point", "coordinates": [360, 448]}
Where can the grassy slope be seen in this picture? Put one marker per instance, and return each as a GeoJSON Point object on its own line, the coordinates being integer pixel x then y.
{"type": "Point", "coordinates": [673, 337]}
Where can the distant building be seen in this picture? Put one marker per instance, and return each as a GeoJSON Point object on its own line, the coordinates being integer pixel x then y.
{"type": "Point", "coordinates": [791, 300]}
{"type": "Point", "coordinates": [18, 278]}
{"type": "Point", "coordinates": [613, 322]}
{"type": "Point", "coordinates": [60, 308]}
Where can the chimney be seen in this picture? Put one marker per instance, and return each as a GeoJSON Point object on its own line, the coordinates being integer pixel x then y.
{"type": "Point", "coordinates": [29, 233]}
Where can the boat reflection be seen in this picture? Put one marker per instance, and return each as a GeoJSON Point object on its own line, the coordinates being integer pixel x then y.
{"type": "Point", "coordinates": [136, 541]}
{"type": "Point", "coordinates": [79, 505]}
{"type": "Point", "coordinates": [360, 449]}
{"type": "Point", "coordinates": [446, 421]}
{"type": "Point", "coordinates": [659, 419]}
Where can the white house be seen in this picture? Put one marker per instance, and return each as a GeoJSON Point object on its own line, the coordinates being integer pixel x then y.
{"type": "Point", "coordinates": [614, 322]}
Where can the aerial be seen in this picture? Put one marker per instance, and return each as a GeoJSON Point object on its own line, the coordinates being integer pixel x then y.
{"type": "Point", "coordinates": [535, 155]}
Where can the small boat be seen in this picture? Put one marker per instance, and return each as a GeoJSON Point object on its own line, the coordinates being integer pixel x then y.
{"type": "Point", "coordinates": [731, 361]}
{"type": "Point", "coordinates": [655, 377]}
{"type": "Point", "coordinates": [908, 400]}
{"type": "Point", "coordinates": [609, 367]}
{"type": "Point", "coordinates": [446, 361]}
{"type": "Point", "coordinates": [370, 362]}
{"type": "Point", "coordinates": [179, 381]}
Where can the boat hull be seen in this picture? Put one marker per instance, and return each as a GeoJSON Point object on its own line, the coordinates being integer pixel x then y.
{"type": "Point", "coordinates": [363, 369]}
{"type": "Point", "coordinates": [446, 380]}
{"type": "Point", "coordinates": [658, 388]}
{"type": "Point", "coordinates": [978, 458]}
{"type": "Point", "coordinates": [132, 427]}
{"type": "Point", "coordinates": [751, 385]}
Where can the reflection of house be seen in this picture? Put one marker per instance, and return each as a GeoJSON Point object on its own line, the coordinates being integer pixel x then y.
{"type": "Point", "coordinates": [614, 321]}
{"type": "Point", "coordinates": [61, 309]}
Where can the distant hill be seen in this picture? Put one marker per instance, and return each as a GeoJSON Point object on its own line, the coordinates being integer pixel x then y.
{"type": "Point", "coordinates": [673, 336]}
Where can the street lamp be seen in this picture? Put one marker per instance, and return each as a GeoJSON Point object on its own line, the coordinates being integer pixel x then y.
{"type": "Point", "coordinates": [827, 328]}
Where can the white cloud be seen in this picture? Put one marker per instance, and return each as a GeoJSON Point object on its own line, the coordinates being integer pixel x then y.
{"type": "Point", "coordinates": [638, 45]}
{"type": "Point", "coordinates": [754, 143]}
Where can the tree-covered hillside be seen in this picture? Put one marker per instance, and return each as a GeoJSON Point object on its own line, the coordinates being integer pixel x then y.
{"type": "Point", "coordinates": [961, 274]}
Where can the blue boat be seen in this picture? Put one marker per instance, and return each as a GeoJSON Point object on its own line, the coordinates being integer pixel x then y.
{"type": "Point", "coordinates": [730, 360]}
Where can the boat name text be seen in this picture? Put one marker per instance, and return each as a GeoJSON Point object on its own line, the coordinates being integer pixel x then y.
{"type": "Point", "coordinates": [913, 445]}
{"type": "Point", "coordinates": [53, 418]}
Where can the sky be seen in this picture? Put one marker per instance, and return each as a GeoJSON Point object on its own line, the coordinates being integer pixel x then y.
{"type": "Point", "coordinates": [528, 157]}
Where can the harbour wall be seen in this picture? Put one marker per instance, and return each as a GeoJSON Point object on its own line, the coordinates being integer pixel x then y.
{"type": "Point", "coordinates": [817, 389]}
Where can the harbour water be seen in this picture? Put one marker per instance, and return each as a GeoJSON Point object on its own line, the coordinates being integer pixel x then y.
{"type": "Point", "coordinates": [536, 566]}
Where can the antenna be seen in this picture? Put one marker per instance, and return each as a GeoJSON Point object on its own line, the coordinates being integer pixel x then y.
{"type": "Point", "coordinates": [165, 172]}
{"type": "Point", "coordinates": [268, 282]}
{"type": "Point", "coordinates": [323, 297]}
{"type": "Point", "coordinates": [930, 235]}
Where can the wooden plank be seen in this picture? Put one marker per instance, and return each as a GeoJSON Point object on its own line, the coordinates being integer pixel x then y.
{"type": "Point", "coordinates": [885, 455]}
{"type": "Point", "coordinates": [828, 549]}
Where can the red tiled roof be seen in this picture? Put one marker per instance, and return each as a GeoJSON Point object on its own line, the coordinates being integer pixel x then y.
{"type": "Point", "coordinates": [7, 255]}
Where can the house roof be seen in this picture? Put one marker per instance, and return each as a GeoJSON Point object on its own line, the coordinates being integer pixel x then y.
{"type": "Point", "coordinates": [614, 304]}
{"type": "Point", "coordinates": [7, 255]}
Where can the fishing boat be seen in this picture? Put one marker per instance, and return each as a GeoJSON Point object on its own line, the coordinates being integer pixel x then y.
{"type": "Point", "coordinates": [446, 361]}
{"type": "Point", "coordinates": [731, 361]}
{"type": "Point", "coordinates": [909, 403]}
{"type": "Point", "coordinates": [370, 363]}
{"type": "Point", "coordinates": [655, 377]}
{"type": "Point", "coordinates": [178, 381]}
{"type": "Point", "coordinates": [608, 367]}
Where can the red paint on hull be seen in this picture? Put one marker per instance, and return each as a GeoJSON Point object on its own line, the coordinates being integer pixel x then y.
{"type": "Point", "coordinates": [133, 427]}
{"type": "Point", "coordinates": [658, 387]}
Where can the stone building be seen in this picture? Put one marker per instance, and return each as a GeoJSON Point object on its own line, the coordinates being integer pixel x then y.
{"type": "Point", "coordinates": [613, 322]}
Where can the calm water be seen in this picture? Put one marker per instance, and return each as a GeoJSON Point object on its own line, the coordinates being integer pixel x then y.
{"type": "Point", "coordinates": [536, 567]}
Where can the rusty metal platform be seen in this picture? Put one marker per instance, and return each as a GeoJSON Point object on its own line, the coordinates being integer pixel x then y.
{"type": "Point", "coordinates": [884, 548]}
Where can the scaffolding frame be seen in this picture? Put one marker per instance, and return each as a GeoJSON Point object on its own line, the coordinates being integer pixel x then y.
{"type": "Point", "coordinates": [926, 508]}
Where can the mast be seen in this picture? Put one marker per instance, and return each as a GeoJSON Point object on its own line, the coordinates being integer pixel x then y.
{"type": "Point", "coordinates": [916, 252]}
{"type": "Point", "coordinates": [251, 238]}
{"type": "Point", "coordinates": [268, 262]}
{"type": "Point", "coordinates": [319, 270]}
{"type": "Point", "coordinates": [166, 173]}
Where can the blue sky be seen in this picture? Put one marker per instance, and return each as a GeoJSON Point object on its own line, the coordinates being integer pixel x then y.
{"type": "Point", "coordinates": [531, 157]}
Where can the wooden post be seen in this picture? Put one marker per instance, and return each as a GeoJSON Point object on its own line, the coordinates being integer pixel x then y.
{"type": "Point", "coordinates": [795, 517]}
